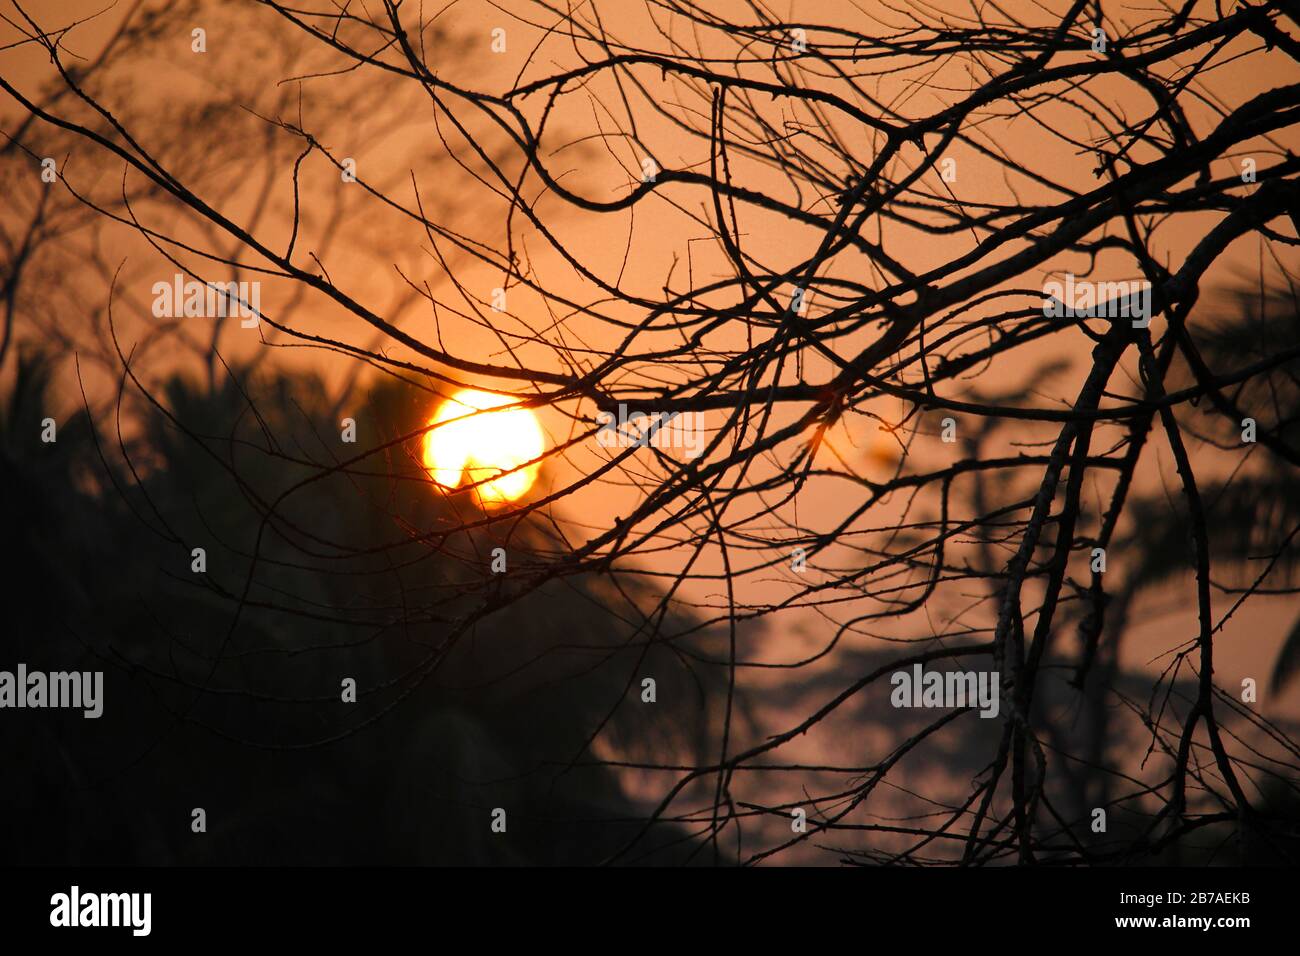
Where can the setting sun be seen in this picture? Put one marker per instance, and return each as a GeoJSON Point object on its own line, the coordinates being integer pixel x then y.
{"type": "Point", "coordinates": [478, 447]}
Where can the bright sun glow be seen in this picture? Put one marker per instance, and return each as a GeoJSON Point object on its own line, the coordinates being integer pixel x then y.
{"type": "Point", "coordinates": [481, 446]}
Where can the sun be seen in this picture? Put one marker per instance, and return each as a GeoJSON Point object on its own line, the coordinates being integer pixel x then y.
{"type": "Point", "coordinates": [481, 444]}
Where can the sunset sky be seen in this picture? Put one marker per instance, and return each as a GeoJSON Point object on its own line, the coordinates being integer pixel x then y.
{"type": "Point", "coordinates": [537, 284]}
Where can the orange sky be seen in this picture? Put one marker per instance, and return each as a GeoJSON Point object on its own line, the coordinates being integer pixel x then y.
{"type": "Point", "coordinates": [364, 250]}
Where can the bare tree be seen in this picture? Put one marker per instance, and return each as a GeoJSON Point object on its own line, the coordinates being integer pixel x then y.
{"type": "Point", "coordinates": [911, 311]}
